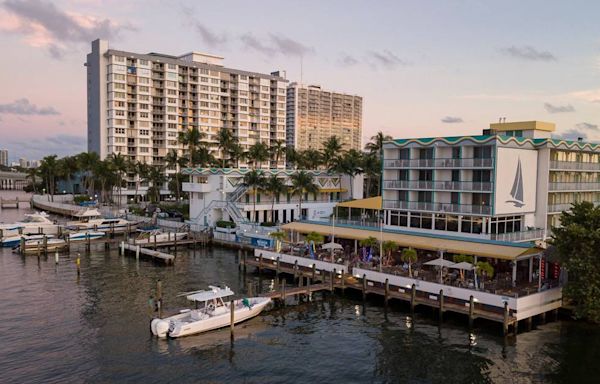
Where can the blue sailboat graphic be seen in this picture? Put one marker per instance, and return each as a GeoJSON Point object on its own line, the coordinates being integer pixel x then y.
{"type": "Point", "coordinates": [516, 191]}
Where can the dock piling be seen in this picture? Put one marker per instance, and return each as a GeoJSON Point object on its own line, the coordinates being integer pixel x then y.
{"type": "Point", "coordinates": [232, 312]}
{"type": "Point", "coordinates": [386, 292]}
{"type": "Point", "coordinates": [364, 286]}
{"type": "Point", "coordinates": [441, 299]}
{"type": "Point", "coordinates": [471, 310]}
{"type": "Point", "coordinates": [413, 298]}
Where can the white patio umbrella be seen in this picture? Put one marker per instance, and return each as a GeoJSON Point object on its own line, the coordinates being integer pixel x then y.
{"type": "Point", "coordinates": [440, 262]}
{"type": "Point", "coordinates": [462, 265]}
{"type": "Point", "coordinates": [332, 246]}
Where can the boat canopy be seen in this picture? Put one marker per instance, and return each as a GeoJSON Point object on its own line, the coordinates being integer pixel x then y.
{"type": "Point", "coordinates": [88, 213]}
{"type": "Point", "coordinates": [213, 293]}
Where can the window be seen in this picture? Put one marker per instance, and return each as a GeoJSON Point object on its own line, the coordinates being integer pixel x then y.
{"type": "Point", "coordinates": [483, 152]}
{"type": "Point", "coordinates": [404, 154]}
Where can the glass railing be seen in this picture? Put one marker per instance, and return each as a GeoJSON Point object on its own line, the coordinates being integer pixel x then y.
{"type": "Point", "coordinates": [518, 236]}
{"type": "Point", "coordinates": [477, 186]}
{"type": "Point", "coordinates": [567, 186]}
{"type": "Point", "coordinates": [439, 163]}
{"type": "Point", "coordinates": [569, 165]}
{"type": "Point", "coordinates": [438, 207]}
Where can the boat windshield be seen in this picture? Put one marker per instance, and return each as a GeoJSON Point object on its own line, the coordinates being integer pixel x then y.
{"type": "Point", "coordinates": [34, 219]}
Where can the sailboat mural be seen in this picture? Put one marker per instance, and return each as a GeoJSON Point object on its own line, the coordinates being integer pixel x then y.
{"type": "Point", "coordinates": [516, 191]}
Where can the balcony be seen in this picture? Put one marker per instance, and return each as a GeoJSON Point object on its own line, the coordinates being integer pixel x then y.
{"type": "Point", "coordinates": [439, 163]}
{"type": "Point", "coordinates": [533, 234]}
{"type": "Point", "coordinates": [196, 187]}
{"type": "Point", "coordinates": [438, 207]}
{"type": "Point", "coordinates": [559, 186]}
{"type": "Point", "coordinates": [468, 186]}
{"type": "Point", "coordinates": [573, 165]}
{"type": "Point", "coordinates": [555, 208]}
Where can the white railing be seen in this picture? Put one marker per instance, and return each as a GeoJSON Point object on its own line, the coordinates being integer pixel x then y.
{"type": "Point", "coordinates": [533, 234]}
{"type": "Point", "coordinates": [569, 165]}
{"type": "Point", "coordinates": [437, 207]}
{"type": "Point", "coordinates": [302, 261]}
{"type": "Point", "coordinates": [445, 185]}
{"type": "Point", "coordinates": [575, 186]}
{"type": "Point", "coordinates": [439, 163]}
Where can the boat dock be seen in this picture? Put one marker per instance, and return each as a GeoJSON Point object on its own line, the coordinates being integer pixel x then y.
{"type": "Point", "coordinates": [10, 203]}
{"type": "Point", "coordinates": [138, 250]}
{"type": "Point", "coordinates": [315, 275]}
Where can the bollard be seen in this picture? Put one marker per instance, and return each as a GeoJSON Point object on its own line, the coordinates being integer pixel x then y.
{"type": "Point", "coordinates": [441, 304]}
{"type": "Point", "coordinates": [471, 310]}
{"type": "Point", "coordinates": [232, 313]}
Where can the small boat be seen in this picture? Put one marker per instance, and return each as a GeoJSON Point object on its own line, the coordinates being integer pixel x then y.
{"type": "Point", "coordinates": [149, 237]}
{"type": "Point", "coordinates": [32, 223]}
{"type": "Point", "coordinates": [13, 241]}
{"type": "Point", "coordinates": [212, 313]}
{"type": "Point", "coordinates": [52, 245]}
{"type": "Point", "coordinates": [84, 235]}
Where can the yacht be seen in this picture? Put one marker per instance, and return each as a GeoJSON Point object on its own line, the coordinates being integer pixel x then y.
{"type": "Point", "coordinates": [84, 235]}
{"type": "Point", "coordinates": [211, 313]}
{"type": "Point", "coordinates": [91, 219]}
{"type": "Point", "coordinates": [13, 241]}
{"type": "Point", "coordinates": [33, 223]}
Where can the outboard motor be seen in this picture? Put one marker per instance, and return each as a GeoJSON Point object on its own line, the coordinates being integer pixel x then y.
{"type": "Point", "coordinates": [159, 328]}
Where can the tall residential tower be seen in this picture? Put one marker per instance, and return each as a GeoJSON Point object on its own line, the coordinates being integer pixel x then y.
{"type": "Point", "coordinates": [139, 103]}
{"type": "Point", "coordinates": [314, 115]}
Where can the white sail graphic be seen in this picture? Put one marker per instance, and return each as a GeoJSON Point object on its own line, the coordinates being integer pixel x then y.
{"type": "Point", "coordinates": [516, 191]}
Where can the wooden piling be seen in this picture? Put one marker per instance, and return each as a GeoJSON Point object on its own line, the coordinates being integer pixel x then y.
{"type": "Point", "coordinates": [314, 272]}
{"type": "Point", "coordinates": [295, 270]}
{"type": "Point", "coordinates": [122, 248]}
{"type": "Point", "coordinates": [529, 322]}
{"type": "Point", "coordinates": [386, 292]}
{"type": "Point", "coordinates": [155, 242]}
{"type": "Point", "coordinates": [343, 281]}
{"type": "Point", "coordinates": [277, 269]}
{"type": "Point", "coordinates": [283, 292]}
{"type": "Point", "coordinates": [260, 263]}
{"type": "Point", "coordinates": [308, 283]}
{"type": "Point", "coordinates": [441, 299]}
{"type": "Point", "coordinates": [472, 310]}
{"type": "Point", "coordinates": [45, 245]}
{"type": "Point", "coordinates": [137, 252]}
{"type": "Point", "coordinates": [232, 316]}
{"type": "Point", "coordinates": [159, 297]}
{"type": "Point", "coordinates": [364, 286]}
{"type": "Point", "coordinates": [332, 282]}
{"type": "Point", "coordinates": [413, 297]}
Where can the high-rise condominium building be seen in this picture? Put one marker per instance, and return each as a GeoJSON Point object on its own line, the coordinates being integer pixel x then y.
{"type": "Point", "coordinates": [511, 183]}
{"type": "Point", "coordinates": [4, 157]}
{"type": "Point", "coordinates": [314, 115]}
{"type": "Point", "coordinates": [139, 103]}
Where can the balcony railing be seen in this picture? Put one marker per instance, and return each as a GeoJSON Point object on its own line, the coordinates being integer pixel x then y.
{"type": "Point", "coordinates": [533, 234]}
{"type": "Point", "coordinates": [440, 163]}
{"type": "Point", "coordinates": [569, 165]}
{"type": "Point", "coordinates": [471, 186]}
{"type": "Point", "coordinates": [438, 207]}
{"type": "Point", "coordinates": [559, 186]}
{"type": "Point", "coordinates": [559, 207]}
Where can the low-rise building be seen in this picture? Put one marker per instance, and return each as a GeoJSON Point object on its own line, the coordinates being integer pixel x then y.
{"type": "Point", "coordinates": [510, 183]}
{"type": "Point", "coordinates": [220, 194]}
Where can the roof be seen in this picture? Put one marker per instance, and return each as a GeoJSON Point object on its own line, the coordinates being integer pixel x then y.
{"type": "Point", "coordinates": [524, 126]}
{"type": "Point", "coordinates": [213, 293]}
{"type": "Point", "coordinates": [476, 247]}
{"type": "Point", "coordinates": [368, 203]}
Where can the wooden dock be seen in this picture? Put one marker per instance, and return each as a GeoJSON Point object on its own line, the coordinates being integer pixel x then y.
{"type": "Point", "coordinates": [329, 281]}
{"type": "Point", "coordinates": [10, 203]}
{"type": "Point", "coordinates": [138, 250]}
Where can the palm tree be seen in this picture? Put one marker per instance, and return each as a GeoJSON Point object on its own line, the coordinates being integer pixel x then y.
{"type": "Point", "coordinates": [302, 182]}
{"type": "Point", "coordinates": [104, 172]}
{"type": "Point", "coordinates": [274, 186]}
{"type": "Point", "coordinates": [140, 171]}
{"type": "Point", "coordinates": [32, 173]}
{"type": "Point", "coordinates": [371, 165]}
{"type": "Point", "coordinates": [254, 180]}
{"type": "Point", "coordinates": [258, 153]}
{"type": "Point", "coordinates": [87, 162]}
{"type": "Point", "coordinates": [409, 255]}
{"type": "Point", "coordinates": [119, 165]}
{"type": "Point", "coordinates": [175, 162]}
{"type": "Point", "coordinates": [277, 150]}
{"type": "Point", "coordinates": [309, 159]}
{"type": "Point", "coordinates": [332, 149]}
{"type": "Point", "coordinates": [291, 157]}
{"type": "Point", "coordinates": [376, 144]}
{"type": "Point", "coordinates": [48, 171]}
{"type": "Point", "coordinates": [226, 141]}
{"type": "Point", "coordinates": [203, 157]}
{"type": "Point", "coordinates": [368, 242]}
{"type": "Point", "coordinates": [315, 237]}
{"type": "Point", "coordinates": [460, 259]}
{"type": "Point", "coordinates": [157, 178]}
{"type": "Point", "coordinates": [236, 154]}
{"type": "Point", "coordinates": [67, 167]}
{"type": "Point", "coordinates": [191, 138]}
{"type": "Point", "coordinates": [350, 164]}
{"type": "Point", "coordinates": [388, 248]}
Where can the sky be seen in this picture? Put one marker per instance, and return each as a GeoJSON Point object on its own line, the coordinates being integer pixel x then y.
{"type": "Point", "coordinates": [424, 68]}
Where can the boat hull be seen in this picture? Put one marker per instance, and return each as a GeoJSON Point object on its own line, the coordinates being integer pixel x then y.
{"type": "Point", "coordinates": [83, 236]}
{"type": "Point", "coordinates": [184, 325]}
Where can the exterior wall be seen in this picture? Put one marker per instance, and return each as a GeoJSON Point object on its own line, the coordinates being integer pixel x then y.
{"type": "Point", "coordinates": [96, 97]}
{"type": "Point", "coordinates": [314, 115]}
{"type": "Point", "coordinates": [508, 176]}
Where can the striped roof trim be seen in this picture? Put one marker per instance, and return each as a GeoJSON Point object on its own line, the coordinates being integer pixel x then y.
{"type": "Point", "coordinates": [243, 171]}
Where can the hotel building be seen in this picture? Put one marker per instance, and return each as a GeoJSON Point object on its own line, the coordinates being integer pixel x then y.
{"type": "Point", "coordinates": [511, 183]}
{"type": "Point", "coordinates": [4, 157]}
{"type": "Point", "coordinates": [314, 115]}
{"type": "Point", "coordinates": [139, 103]}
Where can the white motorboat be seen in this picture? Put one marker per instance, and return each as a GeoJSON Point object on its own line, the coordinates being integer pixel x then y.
{"type": "Point", "coordinates": [13, 241]}
{"type": "Point", "coordinates": [84, 235]}
{"type": "Point", "coordinates": [149, 237]}
{"type": "Point", "coordinates": [33, 246]}
{"type": "Point", "coordinates": [212, 313]}
{"type": "Point", "coordinates": [33, 223]}
{"type": "Point", "coordinates": [91, 219]}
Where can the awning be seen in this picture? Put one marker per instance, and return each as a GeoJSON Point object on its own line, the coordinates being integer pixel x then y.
{"type": "Point", "coordinates": [431, 243]}
{"type": "Point", "coordinates": [369, 203]}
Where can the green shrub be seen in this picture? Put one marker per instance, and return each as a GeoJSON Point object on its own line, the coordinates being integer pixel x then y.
{"type": "Point", "coordinates": [225, 224]}
{"type": "Point", "coordinates": [267, 224]}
